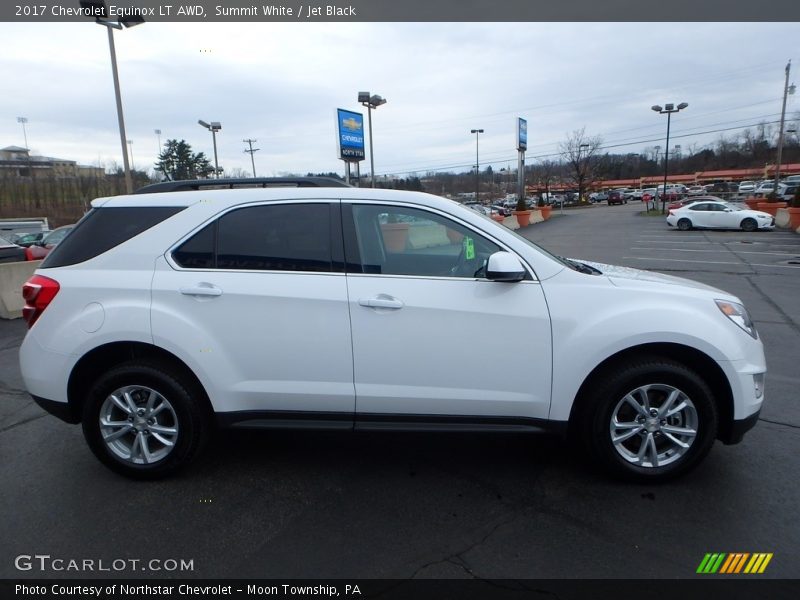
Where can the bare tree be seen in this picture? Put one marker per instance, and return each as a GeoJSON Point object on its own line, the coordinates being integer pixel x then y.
{"type": "Point", "coordinates": [579, 151]}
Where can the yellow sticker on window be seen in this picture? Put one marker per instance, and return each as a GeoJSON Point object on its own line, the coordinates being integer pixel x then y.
{"type": "Point", "coordinates": [469, 248]}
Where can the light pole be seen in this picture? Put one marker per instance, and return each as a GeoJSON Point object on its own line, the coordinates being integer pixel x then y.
{"type": "Point", "coordinates": [22, 121]}
{"type": "Point", "coordinates": [477, 133]}
{"type": "Point", "coordinates": [371, 101]}
{"type": "Point", "coordinates": [158, 135]}
{"type": "Point", "coordinates": [668, 110]}
{"type": "Point", "coordinates": [213, 127]}
{"type": "Point", "coordinates": [787, 89]}
{"type": "Point", "coordinates": [130, 145]}
{"type": "Point", "coordinates": [98, 7]}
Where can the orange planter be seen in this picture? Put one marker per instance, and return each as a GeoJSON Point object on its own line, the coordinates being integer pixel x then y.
{"type": "Point", "coordinates": [395, 236]}
{"type": "Point", "coordinates": [498, 217]}
{"type": "Point", "coordinates": [753, 202]}
{"type": "Point", "coordinates": [523, 217]}
{"type": "Point", "coordinates": [794, 217]}
{"type": "Point", "coordinates": [546, 211]}
{"type": "Point", "coordinates": [771, 207]}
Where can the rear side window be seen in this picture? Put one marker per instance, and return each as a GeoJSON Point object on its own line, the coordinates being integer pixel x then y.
{"type": "Point", "coordinates": [104, 228]}
{"type": "Point", "coordinates": [282, 237]}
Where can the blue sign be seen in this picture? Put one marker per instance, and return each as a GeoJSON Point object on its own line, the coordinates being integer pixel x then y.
{"type": "Point", "coordinates": [522, 134]}
{"type": "Point", "coordinates": [350, 135]}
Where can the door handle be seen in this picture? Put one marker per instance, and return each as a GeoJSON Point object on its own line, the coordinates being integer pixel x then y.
{"type": "Point", "coordinates": [382, 301]}
{"type": "Point", "coordinates": [201, 289]}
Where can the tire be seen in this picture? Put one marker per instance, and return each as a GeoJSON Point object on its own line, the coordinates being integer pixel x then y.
{"type": "Point", "coordinates": [139, 397]}
{"type": "Point", "coordinates": [749, 225]}
{"type": "Point", "coordinates": [645, 446]}
{"type": "Point", "coordinates": [684, 224]}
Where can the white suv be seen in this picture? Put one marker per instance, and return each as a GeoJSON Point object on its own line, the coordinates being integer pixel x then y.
{"type": "Point", "coordinates": [162, 315]}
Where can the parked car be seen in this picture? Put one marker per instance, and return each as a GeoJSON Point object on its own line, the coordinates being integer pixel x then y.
{"type": "Point", "coordinates": [162, 316]}
{"type": "Point", "coordinates": [11, 252]}
{"type": "Point", "coordinates": [696, 190]}
{"type": "Point", "coordinates": [636, 194]}
{"type": "Point", "coordinates": [709, 214]}
{"type": "Point", "coordinates": [42, 248]}
{"type": "Point", "coordinates": [767, 187]}
{"type": "Point", "coordinates": [478, 207]}
{"type": "Point", "coordinates": [502, 209]}
{"type": "Point", "coordinates": [789, 192]}
{"type": "Point", "coordinates": [27, 239]}
{"type": "Point", "coordinates": [616, 197]}
{"type": "Point", "coordinates": [747, 187]}
{"type": "Point", "coordinates": [687, 201]}
{"type": "Point", "coordinates": [721, 187]}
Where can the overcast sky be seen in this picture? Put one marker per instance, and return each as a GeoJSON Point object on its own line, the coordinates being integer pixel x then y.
{"type": "Point", "coordinates": [280, 83]}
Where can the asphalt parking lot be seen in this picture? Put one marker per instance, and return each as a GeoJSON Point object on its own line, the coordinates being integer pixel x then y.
{"type": "Point", "coordinates": [273, 505]}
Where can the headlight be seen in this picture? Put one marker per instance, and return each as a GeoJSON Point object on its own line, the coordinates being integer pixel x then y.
{"type": "Point", "coordinates": [739, 315]}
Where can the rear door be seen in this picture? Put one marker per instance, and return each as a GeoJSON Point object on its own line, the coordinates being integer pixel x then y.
{"type": "Point", "coordinates": [256, 303]}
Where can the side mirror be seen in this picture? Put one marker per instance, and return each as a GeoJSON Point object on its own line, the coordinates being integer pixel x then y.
{"type": "Point", "coordinates": [504, 266]}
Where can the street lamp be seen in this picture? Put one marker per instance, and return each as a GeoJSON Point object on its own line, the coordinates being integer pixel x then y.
{"type": "Point", "coordinates": [787, 89]}
{"type": "Point", "coordinates": [213, 127]}
{"type": "Point", "coordinates": [158, 135]}
{"type": "Point", "coordinates": [668, 110]}
{"type": "Point", "coordinates": [130, 145]}
{"type": "Point", "coordinates": [371, 101]}
{"type": "Point", "coordinates": [477, 133]}
{"type": "Point", "coordinates": [97, 9]}
{"type": "Point", "coordinates": [22, 121]}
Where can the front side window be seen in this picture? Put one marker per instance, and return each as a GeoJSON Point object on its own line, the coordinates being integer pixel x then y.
{"type": "Point", "coordinates": [278, 237]}
{"type": "Point", "coordinates": [395, 240]}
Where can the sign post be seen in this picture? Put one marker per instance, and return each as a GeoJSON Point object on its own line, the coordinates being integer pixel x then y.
{"type": "Point", "coordinates": [522, 145]}
{"type": "Point", "coordinates": [350, 140]}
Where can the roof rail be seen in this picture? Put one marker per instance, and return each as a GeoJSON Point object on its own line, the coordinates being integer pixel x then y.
{"type": "Point", "coordinates": [229, 184]}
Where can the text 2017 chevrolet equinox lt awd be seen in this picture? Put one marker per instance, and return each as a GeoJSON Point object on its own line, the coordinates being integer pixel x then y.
{"type": "Point", "coordinates": [165, 314]}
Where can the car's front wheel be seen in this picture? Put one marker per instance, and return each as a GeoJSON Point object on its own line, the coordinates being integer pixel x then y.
{"type": "Point", "coordinates": [749, 224]}
{"type": "Point", "coordinates": [651, 420]}
{"type": "Point", "coordinates": [143, 421]}
{"type": "Point", "coordinates": [684, 224]}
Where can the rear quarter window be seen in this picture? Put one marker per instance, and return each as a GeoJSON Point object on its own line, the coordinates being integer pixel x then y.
{"type": "Point", "coordinates": [103, 229]}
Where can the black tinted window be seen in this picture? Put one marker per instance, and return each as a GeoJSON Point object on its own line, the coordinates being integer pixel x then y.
{"type": "Point", "coordinates": [104, 228]}
{"type": "Point", "coordinates": [198, 251]}
{"type": "Point", "coordinates": [282, 237]}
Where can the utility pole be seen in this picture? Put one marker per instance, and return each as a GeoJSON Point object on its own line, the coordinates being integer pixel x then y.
{"type": "Point", "coordinates": [250, 152]}
{"type": "Point", "coordinates": [786, 91]}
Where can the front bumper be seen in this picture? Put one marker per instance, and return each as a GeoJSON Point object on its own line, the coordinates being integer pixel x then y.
{"type": "Point", "coordinates": [739, 428]}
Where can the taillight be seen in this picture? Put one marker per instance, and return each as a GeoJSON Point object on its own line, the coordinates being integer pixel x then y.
{"type": "Point", "coordinates": [29, 254]}
{"type": "Point", "coordinates": [37, 292]}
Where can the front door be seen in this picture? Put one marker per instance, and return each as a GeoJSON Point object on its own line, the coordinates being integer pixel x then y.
{"type": "Point", "coordinates": [431, 335]}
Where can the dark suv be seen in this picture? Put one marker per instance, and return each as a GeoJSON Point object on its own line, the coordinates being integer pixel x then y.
{"type": "Point", "coordinates": [617, 197]}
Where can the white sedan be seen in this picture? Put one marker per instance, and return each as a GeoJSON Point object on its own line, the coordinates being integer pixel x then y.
{"type": "Point", "coordinates": [718, 215]}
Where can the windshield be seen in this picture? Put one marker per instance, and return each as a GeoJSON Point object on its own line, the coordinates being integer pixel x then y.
{"type": "Point", "coordinates": [558, 259]}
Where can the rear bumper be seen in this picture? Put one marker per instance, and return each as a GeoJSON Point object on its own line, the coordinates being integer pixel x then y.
{"type": "Point", "coordinates": [62, 410]}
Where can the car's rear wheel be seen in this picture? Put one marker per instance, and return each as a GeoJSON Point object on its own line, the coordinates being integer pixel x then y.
{"type": "Point", "coordinates": [749, 224]}
{"type": "Point", "coordinates": [684, 224]}
{"type": "Point", "coordinates": [651, 420]}
{"type": "Point", "coordinates": [143, 421]}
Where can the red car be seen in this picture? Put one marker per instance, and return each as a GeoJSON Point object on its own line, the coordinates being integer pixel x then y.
{"type": "Point", "coordinates": [41, 249]}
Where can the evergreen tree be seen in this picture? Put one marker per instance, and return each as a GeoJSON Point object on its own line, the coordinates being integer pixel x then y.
{"type": "Point", "coordinates": [178, 162]}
